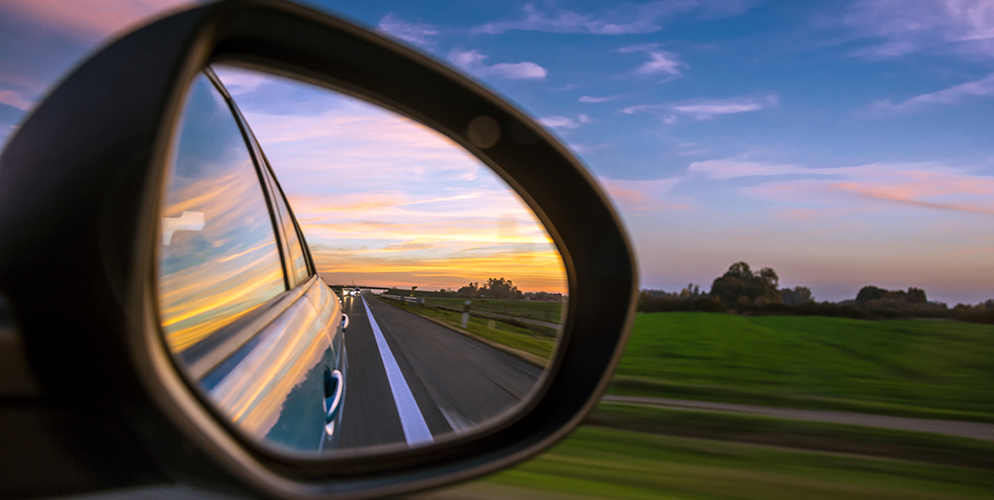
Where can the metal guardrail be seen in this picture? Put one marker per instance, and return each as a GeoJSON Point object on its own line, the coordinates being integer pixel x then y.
{"type": "Point", "coordinates": [413, 300]}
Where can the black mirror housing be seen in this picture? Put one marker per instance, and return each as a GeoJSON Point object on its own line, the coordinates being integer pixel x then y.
{"type": "Point", "coordinates": [80, 187]}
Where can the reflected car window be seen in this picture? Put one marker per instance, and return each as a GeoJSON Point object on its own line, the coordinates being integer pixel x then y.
{"type": "Point", "coordinates": [299, 271]}
{"type": "Point", "coordinates": [218, 258]}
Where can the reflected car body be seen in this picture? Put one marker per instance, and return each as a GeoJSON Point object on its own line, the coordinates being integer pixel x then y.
{"type": "Point", "coordinates": [240, 305]}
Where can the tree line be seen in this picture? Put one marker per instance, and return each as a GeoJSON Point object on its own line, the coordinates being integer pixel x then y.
{"type": "Point", "coordinates": [493, 288]}
{"type": "Point", "coordinates": [744, 291]}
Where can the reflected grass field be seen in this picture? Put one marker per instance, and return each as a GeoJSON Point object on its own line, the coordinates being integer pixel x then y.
{"type": "Point", "coordinates": [542, 311]}
{"type": "Point", "coordinates": [938, 369]}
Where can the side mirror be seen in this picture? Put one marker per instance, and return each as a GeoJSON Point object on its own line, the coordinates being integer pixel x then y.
{"type": "Point", "coordinates": [81, 187]}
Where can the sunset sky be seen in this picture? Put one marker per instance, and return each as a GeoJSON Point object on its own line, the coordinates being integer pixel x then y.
{"type": "Point", "coordinates": [843, 144]}
{"type": "Point", "coordinates": [386, 201]}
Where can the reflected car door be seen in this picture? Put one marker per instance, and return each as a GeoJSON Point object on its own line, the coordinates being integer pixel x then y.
{"type": "Point", "coordinates": [240, 304]}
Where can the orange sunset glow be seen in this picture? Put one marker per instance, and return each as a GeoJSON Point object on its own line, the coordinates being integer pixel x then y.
{"type": "Point", "coordinates": [385, 201]}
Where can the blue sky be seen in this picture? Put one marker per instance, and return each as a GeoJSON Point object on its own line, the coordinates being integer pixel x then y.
{"type": "Point", "coordinates": [843, 143]}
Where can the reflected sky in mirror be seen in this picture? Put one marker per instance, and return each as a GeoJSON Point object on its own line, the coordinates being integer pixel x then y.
{"type": "Point", "coordinates": [382, 199]}
{"type": "Point", "coordinates": [218, 260]}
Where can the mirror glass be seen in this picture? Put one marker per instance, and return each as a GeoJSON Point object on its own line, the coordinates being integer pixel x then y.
{"type": "Point", "coordinates": [335, 277]}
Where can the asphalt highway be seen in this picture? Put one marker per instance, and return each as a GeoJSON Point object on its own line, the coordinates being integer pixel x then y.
{"type": "Point", "coordinates": [412, 380]}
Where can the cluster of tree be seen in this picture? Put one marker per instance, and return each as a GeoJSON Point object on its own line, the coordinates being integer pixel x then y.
{"type": "Point", "coordinates": [690, 298]}
{"type": "Point", "coordinates": [544, 296]}
{"type": "Point", "coordinates": [494, 288]}
{"type": "Point", "coordinates": [797, 296]}
{"type": "Point", "coordinates": [980, 313]}
{"type": "Point", "coordinates": [741, 287]}
{"type": "Point", "coordinates": [746, 291]}
{"type": "Point", "coordinates": [870, 294]}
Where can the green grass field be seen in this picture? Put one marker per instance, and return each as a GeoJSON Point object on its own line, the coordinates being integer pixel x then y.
{"type": "Point", "coordinates": [797, 434]}
{"type": "Point", "coordinates": [935, 368]}
{"type": "Point", "coordinates": [542, 311]}
{"type": "Point", "coordinates": [501, 333]}
{"type": "Point", "coordinates": [609, 463]}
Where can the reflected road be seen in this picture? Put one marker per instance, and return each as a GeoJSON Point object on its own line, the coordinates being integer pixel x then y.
{"type": "Point", "coordinates": [456, 383]}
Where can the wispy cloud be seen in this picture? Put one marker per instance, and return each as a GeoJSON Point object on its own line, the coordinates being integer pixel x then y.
{"type": "Point", "coordinates": [472, 61]}
{"type": "Point", "coordinates": [691, 149]}
{"type": "Point", "coordinates": [564, 121]}
{"type": "Point", "coordinates": [598, 99]}
{"type": "Point", "coordinates": [87, 20]}
{"type": "Point", "coordinates": [558, 122]}
{"type": "Point", "coordinates": [416, 33]}
{"type": "Point", "coordinates": [626, 19]}
{"type": "Point", "coordinates": [952, 95]}
{"type": "Point", "coordinates": [704, 109]}
{"type": "Point", "coordinates": [730, 169]}
{"type": "Point", "coordinates": [581, 148]}
{"type": "Point", "coordinates": [239, 81]}
{"type": "Point", "coordinates": [915, 185]}
{"type": "Point", "coordinates": [11, 98]}
{"type": "Point", "coordinates": [900, 27]}
{"type": "Point", "coordinates": [20, 81]}
{"type": "Point", "coordinates": [660, 61]}
{"type": "Point", "coordinates": [643, 196]}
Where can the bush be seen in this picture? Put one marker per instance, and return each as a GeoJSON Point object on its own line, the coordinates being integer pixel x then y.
{"type": "Point", "coordinates": [650, 303]}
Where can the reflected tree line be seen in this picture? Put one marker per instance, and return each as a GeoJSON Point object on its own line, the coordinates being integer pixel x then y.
{"type": "Point", "coordinates": [740, 290]}
{"type": "Point", "coordinates": [493, 288]}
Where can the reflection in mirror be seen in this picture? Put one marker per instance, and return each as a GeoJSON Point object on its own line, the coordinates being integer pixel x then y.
{"type": "Point", "coordinates": [354, 279]}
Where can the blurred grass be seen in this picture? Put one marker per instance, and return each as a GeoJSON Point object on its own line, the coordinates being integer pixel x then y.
{"type": "Point", "coordinates": [542, 311]}
{"type": "Point", "coordinates": [929, 369]}
{"type": "Point", "coordinates": [501, 333]}
{"type": "Point", "coordinates": [611, 463]}
{"type": "Point", "coordinates": [644, 386]}
{"type": "Point", "coordinates": [940, 369]}
{"type": "Point", "coordinates": [831, 437]}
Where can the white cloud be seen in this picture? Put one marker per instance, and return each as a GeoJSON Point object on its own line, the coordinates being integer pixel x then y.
{"type": "Point", "coordinates": [626, 19]}
{"type": "Point", "coordinates": [239, 81]}
{"type": "Point", "coordinates": [522, 70]}
{"type": "Point", "coordinates": [704, 109]}
{"type": "Point", "coordinates": [472, 61]}
{"type": "Point", "coordinates": [558, 122]}
{"type": "Point", "coordinates": [731, 169]}
{"type": "Point", "coordinates": [660, 61]}
{"type": "Point", "coordinates": [707, 110]}
{"type": "Point", "coordinates": [952, 95]}
{"type": "Point", "coordinates": [565, 121]}
{"type": "Point", "coordinates": [905, 26]}
{"type": "Point", "coordinates": [598, 99]}
{"type": "Point", "coordinates": [11, 98]}
{"type": "Point", "coordinates": [581, 148]}
{"type": "Point", "coordinates": [417, 33]}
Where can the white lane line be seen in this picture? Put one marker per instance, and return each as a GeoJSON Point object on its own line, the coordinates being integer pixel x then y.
{"type": "Point", "coordinates": [415, 429]}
